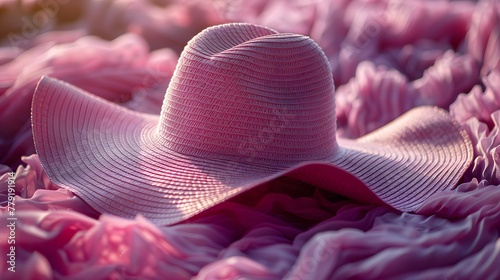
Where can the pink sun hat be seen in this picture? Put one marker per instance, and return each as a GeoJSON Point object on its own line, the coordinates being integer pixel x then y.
{"type": "Point", "coordinates": [246, 105]}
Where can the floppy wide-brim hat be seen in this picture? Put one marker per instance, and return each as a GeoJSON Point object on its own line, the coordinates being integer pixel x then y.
{"type": "Point", "coordinates": [246, 105]}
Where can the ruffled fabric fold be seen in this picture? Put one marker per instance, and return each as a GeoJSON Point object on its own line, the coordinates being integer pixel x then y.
{"type": "Point", "coordinates": [372, 99]}
{"type": "Point", "coordinates": [483, 37]}
{"type": "Point", "coordinates": [479, 112]}
{"type": "Point", "coordinates": [122, 71]}
{"type": "Point", "coordinates": [477, 103]}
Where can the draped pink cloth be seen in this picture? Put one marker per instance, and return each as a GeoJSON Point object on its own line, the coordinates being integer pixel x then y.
{"type": "Point", "coordinates": [387, 56]}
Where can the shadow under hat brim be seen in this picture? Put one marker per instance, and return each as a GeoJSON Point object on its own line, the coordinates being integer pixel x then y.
{"type": "Point", "coordinates": [109, 157]}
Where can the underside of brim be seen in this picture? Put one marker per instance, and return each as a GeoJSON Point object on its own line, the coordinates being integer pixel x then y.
{"type": "Point", "coordinates": [422, 152]}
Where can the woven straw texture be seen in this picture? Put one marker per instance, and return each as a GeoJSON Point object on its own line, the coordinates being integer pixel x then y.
{"type": "Point", "coordinates": [246, 105]}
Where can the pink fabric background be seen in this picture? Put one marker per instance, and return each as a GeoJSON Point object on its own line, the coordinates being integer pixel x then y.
{"type": "Point", "coordinates": [387, 57]}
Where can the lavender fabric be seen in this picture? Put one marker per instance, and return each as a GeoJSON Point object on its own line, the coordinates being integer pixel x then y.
{"type": "Point", "coordinates": [387, 57]}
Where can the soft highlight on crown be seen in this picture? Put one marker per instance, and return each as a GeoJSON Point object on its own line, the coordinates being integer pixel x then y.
{"type": "Point", "coordinates": [248, 93]}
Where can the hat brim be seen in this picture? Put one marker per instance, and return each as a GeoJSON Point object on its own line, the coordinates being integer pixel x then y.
{"type": "Point", "coordinates": [110, 157]}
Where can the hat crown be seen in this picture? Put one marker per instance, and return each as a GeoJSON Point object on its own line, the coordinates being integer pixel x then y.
{"type": "Point", "coordinates": [247, 93]}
